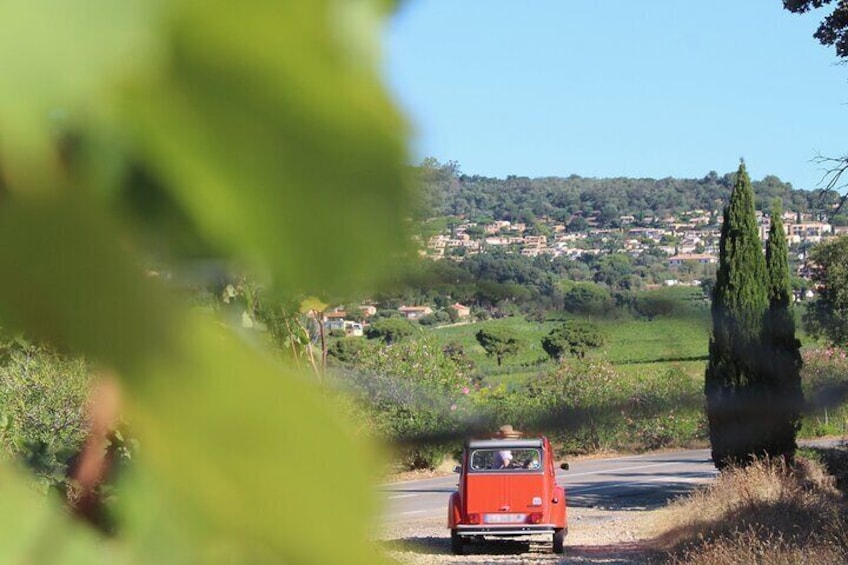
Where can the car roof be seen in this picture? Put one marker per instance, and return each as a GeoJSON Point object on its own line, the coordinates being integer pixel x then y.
{"type": "Point", "coordinates": [504, 443]}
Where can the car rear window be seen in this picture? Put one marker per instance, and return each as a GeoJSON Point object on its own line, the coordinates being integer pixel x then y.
{"type": "Point", "coordinates": [508, 459]}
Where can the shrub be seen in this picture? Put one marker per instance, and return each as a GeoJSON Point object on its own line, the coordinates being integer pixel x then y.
{"type": "Point", "coordinates": [581, 397]}
{"type": "Point", "coordinates": [390, 330]}
{"type": "Point", "coordinates": [412, 391]}
{"type": "Point", "coordinates": [43, 410]}
{"type": "Point", "coordinates": [586, 406]}
{"type": "Point", "coordinates": [766, 513]}
{"type": "Point", "coordinates": [824, 378]}
{"type": "Point", "coordinates": [347, 349]}
{"type": "Point", "coordinates": [664, 411]}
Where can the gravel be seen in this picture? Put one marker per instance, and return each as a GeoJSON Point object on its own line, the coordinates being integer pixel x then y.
{"type": "Point", "coordinates": [595, 535]}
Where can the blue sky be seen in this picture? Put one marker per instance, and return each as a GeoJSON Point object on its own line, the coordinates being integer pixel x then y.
{"type": "Point", "coordinates": [604, 88]}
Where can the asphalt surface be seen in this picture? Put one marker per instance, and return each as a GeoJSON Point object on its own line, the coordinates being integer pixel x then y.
{"type": "Point", "coordinates": [638, 481]}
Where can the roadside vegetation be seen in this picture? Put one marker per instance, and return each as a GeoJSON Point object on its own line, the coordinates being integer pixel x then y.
{"type": "Point", "coordinates": [764, 513]}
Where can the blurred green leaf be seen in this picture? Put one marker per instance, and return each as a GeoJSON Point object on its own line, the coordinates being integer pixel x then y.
{"type": "Point", "coordinates": [244, 459]}
{"type": "Point", "coordinates": [69, 278]}
{"type": "Point", "coordinates": [33, 529]}
{"type": "Point", "coordinates": [284, 150]}
{"type": "Point", "coordinates": [62, 59]}
{"type": "Point", "coordinates": [265, 124]}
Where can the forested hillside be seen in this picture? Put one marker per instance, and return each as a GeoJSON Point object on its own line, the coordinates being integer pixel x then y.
{"type": "Point", "coordinates": [447, 191]}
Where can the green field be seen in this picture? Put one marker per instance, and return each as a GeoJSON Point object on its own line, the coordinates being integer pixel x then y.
{"type": "Point", "coordinates": [635, 346]}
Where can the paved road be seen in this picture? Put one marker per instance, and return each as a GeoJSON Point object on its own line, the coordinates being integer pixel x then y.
{"type": "Point", "coordinates": [639, 481]}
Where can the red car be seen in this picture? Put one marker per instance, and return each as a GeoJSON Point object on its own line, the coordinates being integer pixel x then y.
{"type": "Point", "coordinates": [507, 488]}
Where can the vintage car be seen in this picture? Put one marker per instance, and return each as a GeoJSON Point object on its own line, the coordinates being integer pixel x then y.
{"type": "Point", "coordinates": [507, 488]}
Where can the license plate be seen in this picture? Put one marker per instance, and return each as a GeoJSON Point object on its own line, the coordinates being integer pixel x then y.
{"type": "Point", "coordinates": [504, 518]}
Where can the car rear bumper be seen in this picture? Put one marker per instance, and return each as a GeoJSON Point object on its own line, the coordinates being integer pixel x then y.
{"type": "Point", "coordinates": [505, 530]}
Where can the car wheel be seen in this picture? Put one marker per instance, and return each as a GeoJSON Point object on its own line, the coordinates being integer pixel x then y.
{"type": "Point", "coordinates": [559, 539]}
{"type": "Point", "coordinates": [456, 543]}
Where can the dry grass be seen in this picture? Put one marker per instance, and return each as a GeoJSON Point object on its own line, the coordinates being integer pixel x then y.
{"type": "Point", "coordinates": [765, 513]}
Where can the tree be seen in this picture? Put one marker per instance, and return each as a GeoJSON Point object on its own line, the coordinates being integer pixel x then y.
{"type": "Point", "coordinates": [833, 29]}
{"type": "Point", "coordinates": [578, 224]}
{"type": "Point", "coordinates": [827, 315]}
{"type": "Point", "coordinates": [498, 342]}
{"type": "Point", "coordinates": [739, 303]}
{"type": "Point", "coordinates": [574, 337]}
{"type": "Point", "coordinates": [587, 298]}
{"type": "Point", "coordinates": [781, 349]}
{"type": "Point", "coordinates": [390, 330]}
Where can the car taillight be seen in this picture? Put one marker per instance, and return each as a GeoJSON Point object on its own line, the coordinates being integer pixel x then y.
{"type": "Point", "coordinates": [535, 518]}
{"type": "Point", "coordinates": [473, 518]}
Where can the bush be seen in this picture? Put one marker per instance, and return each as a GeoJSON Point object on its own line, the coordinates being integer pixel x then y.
{"type": "Point", "coordinates": [765, 513]}
{"type": "Point", "coordinates": [412, 391]}
{"type": "Point", "coordinates": [43, 418]}
{"type": "Point", "coordinates": [581, 396]}
{"type": "Point", "coordinates": [390, 330]}
{"type": "Point", "coordinates": [824, 378]}
{"type": "Point", "coordinates": [665, 411]}
{"type": "Point", "coordinates": [587, 406]}
{"type": "Point", "coordinates": [347, 349]}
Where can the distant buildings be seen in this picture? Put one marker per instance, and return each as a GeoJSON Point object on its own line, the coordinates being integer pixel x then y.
{"type": "Point", "coordinates": [415, 312]}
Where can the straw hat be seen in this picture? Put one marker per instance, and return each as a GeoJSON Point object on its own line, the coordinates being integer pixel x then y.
{"type": "Point", "coordinates": [507, 432]}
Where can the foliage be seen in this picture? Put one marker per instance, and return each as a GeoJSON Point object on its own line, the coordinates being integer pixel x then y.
{"type": "Point", "coordinates": [574, 337]}
{"type": "Point", "coordinates": [131, 129]}
{"type": "Point", "coordinates": [733, 374]}
{"type": "Point", "coordinates": [664, 411]}
{"type": "Point", "coordinates": [763, 513]}
{"type": "Point", "coordinates": [390, 330]}
{"type": "Point", "coordinates": [825, 388]}
{"type": "Point", "coordinates": [677, 301]}
{"type": "Point", "coordinates": [587, 298]}
{"type": "Point", "coordinates": [573, 199]}
{"type": "Point", "coordinates": [498, 342]}
{"type": "Point", "coordinates": [590, 406]}
{"type": "Point", "coordinates": [347, 349]}
{"type": "Point", "coordinates": [781, 355]}
{"type": "Point", "coordinates": [582, 396]}
{"type": "Point", "coordinates": [833, 29]}
{"type": "Point", "coordinates": [410, 390]}
{"type": "Point", "coordinates": [43, 418]}
{"type": "Point", "coordinates": [827, 315]}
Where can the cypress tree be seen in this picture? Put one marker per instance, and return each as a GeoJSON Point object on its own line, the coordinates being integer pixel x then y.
{"type": "Point", "coordinates": [739, 303]}
{"type": "Point", "coordinates": [781, 349]}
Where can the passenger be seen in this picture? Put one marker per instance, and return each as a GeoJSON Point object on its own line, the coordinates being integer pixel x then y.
{"type": "Point", "coordinates": [503, 459]}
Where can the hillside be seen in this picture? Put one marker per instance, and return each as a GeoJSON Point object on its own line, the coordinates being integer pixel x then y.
{"type": "Point", "coordinates": [447, 191]}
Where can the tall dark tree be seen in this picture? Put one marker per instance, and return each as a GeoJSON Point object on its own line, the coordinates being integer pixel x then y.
{"type": "Point", "coordinates": [739, 302]}
{"type": "Point", "coordinates": [781, 349]}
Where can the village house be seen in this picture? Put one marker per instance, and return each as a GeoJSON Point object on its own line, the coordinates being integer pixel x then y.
{"type": "Point", "coordinates": [702, 258]}
{"type": "Point", "coordinates": [808, 231]}
{"type": "Point", "coordinates": [415, 312]}
{"type": "Point", "coordinates": [461, 310]}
